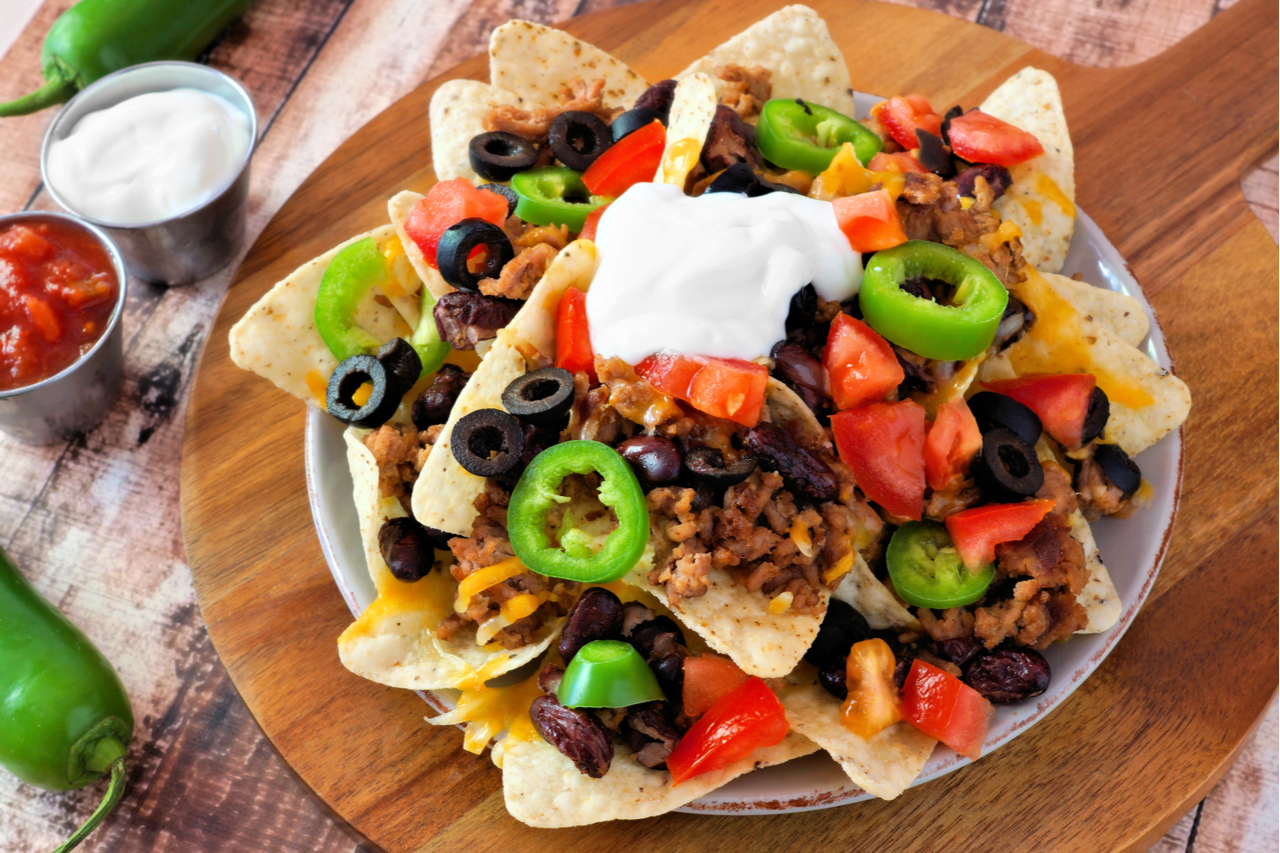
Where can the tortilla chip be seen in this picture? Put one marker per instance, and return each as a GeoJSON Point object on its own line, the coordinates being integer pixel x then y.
{"type": "Point", "coordinates": [795, 45]}
{"type": "Point", "coordinates": [536, 62]}
{"type": "Point", "coordinates": [883, 766]}
{"type": "Point", "coordinates": [1120, 313]}
{"type": "Point", "coordinates": [865, 593]}
{"type": "Point", "coordinates": [786, 406]}
{"type": "Point", "coordinates": [393, 642]}
{"type": "Point", "coordinates": [542, 788]}
{"type": "Point", "coordinates": [456, 115]}
{"type": "Point", "coordinates": [399, 208]}
{"type": "Point", "coordinates": [692, 108]}
{"type": "Point", "coordinates": [1042, 198]}
{"type": "Point", "coordinates": [277, 337]}
{"type": "Point", "coordinates": [1099, 597]}
{"type": "Point", "coordinates": [445, 491]}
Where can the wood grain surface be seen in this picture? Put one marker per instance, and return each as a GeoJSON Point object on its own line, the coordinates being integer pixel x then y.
{"type": "Point", "coordinates": [96, 524]}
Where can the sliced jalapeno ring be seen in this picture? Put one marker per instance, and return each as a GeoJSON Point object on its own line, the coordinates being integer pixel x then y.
{"type": "Point", "coordinates": [456, 245]}
{"type": "Point", "coordinates": [952, 332]}
{"type": "Point", "coordinates": [353, 270]}
{"type": "Point", "coordinates": [487, 442]}
{"type": "Point", "coordinates": [927, 571]}
{"type": "Point", "coordinates": [796, 134]}
{"type": "Point", "coordinates": [497, 155]}
{"type": "Point", "coordinates": [347, 378]}
{"type": "Point", "coordinates": [555, 196]}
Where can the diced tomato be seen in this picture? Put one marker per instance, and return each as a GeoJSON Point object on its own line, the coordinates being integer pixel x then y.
{"type": "Point", "coordinates": [981, 138]}
{"type": "Point", "coordinates": [746, 719]}
{"type": "Point", "coordinates": [1061, 400]}
{"type": "Point", "coordinates": [942, 706]}
{"type": "Point", "coordinates": [43, 318]}
{"type": "Point", "coordinates": [723, 387]}
{"type": "Point", "coordinates": [872, 702]}
{"type": "Point", "coordinates": [954, 439]}
{"type": "Point", "coordinates": [870, 221]}
{"type": "Point", "coordinates": [976, 532]}
{"type": "Point", "coordinates": [884, 445]}
{"type": "Point", "coordinates": [447, 204]}
{"type": "Point", "coordinates": [631, 160]}
{"type": "Point", "coordinates": [899, 161]}
{"type": "Point", "coordinates": [859, 362]}
{"type": "Point", "coordinates": [707, 680]}
{"type": "Point", "coordinates": [593, 222]}
{"type": "Point", "coordinates": [903, 116]}
{"type": "Point", "coordinates": [573, 334]}
{"type": "Point", "coordinates": [26, 241]}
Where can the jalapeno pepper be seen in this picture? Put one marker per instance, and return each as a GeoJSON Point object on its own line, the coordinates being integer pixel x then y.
{"type": "Point", "coordinates": [960, 330]}
{"type": "Point", "coordinates": [573, 559]}
{"type": "Point", "coordinates": [555, 195]}
{"type": "Point", "coordinates": [608, 674]}
{"type": "Point", "coordinates": [796, 134]}
{"type": "Point", "coordinates": [65, 720]}
{"type": "Point", "coordinates": [927, 570]}
{"type": "Point", "coordinates": [426, 338]}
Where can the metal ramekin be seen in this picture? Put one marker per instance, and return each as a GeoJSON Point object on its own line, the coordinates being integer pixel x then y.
{"type": "Point", "coordinates": [74, 401]}
{"type": "Point", "coordinates": [195, 244]}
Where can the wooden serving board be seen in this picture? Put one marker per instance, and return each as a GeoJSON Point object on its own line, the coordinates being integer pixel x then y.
{"type": "Point", "coordinates": [1159, 149]}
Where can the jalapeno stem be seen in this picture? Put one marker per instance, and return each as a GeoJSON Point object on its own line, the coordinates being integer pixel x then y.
{"type": "Point", "coordinates": [115, 790]}
{"type": "Point", "coordinates": [57, 90]}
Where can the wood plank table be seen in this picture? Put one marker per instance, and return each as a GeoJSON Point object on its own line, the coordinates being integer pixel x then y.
{"type": "Point", "coordinates": [95, 522]}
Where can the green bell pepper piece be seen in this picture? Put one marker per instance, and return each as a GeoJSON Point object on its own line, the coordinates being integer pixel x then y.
{"type": "Point", "coordinates": [796, 134]}
{"type": "Point", "coordinates": [426, 338]}
{"type": "Point", "coordinates": [954, 332]}
{"type": "Point", "coordinates": [927, 571]}
{"type": "Point", "coordinates": [573, 558]}
{"type": "Point", "coordinates": [608, 674]}
{"type": "Point", "coordinates": [555, 195]}
{"type": "Point", "coordinates": [346, 280]}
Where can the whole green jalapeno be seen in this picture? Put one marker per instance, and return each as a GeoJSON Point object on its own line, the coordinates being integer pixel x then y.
{"type": "Point", "coordinates": [65, 721]}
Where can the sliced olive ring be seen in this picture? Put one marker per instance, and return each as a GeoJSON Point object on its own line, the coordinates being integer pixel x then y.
{"type": "Point", "coordinates": [403, 364]}
{"type": "Point", "coordinates": [633, 120]}
{"type": "Point", "coordinates": [456, 245]}
{"type": "Point", "coordinates": [1119, 467]}
{"type": "Point", "coordinates": [945, 131]}
{"type": "Point", "coordinates": [487, 442]}
{"type": "Point", "coordinates": [407, 548]}
{"type": "Point", "coordinates": [1095, 419]}
{"type": "Point", "coordinates": [497, 155]}
{"type": "Point", "coordinates": [707, 465]}
{"type": "Point", "coordinates": [741, 178]}
{"type": "Point", "coordinates": [541, 398]}
{"type": "Point", "coordinates": [346, 379]}
{"type": "Point", "coordinates": [996, 411]}
{"type": "Point", "coordinates": [933, 154]}
{"type": "Point", "coordinates": [577, 138]}
{"type": "Point", "coordinates": [1007, 468]}
{"type": "Point", "coordinates": [506, 192]}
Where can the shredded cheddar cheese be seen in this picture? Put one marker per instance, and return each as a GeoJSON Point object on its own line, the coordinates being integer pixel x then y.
{"type": "Point", "coordinates": [482, 579]}
{"type": "Point", "coordinates": [317, 385]}
{"type": "Point", "coordinates": [781, 603]}
{"type": "Point", "coordinates": [800, 536]}
{"type": "Point", "coordinates": [839, 570]}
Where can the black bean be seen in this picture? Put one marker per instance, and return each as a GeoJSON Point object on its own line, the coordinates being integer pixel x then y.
{"type": "Point", "coordinates": [579, 735]}
{"type": "Point", "coordinates": [656, 638]}
{"type": "Point", "coordinates": [1008, 675]}
{"type": "Point", "coordinates": [801, 469]}
{"type": "Point", "coordinates": [655, 459]}
{"type": "Point", "coordinates": [434, 404]}
{"type": "Point", "coordinates": [706, 464]}
{"type": "Point", "coordinates": [658, 98]}
{"type": "Point", "coordinates": [464, 318]}
{"type": "Point", "coordinates": [834, 680]}
{"type": "Point", "coordinates": [597, 615]}
{"type": "Point", "coordinates": [730, 140]}
{"type": "Point", "coordinates": [669, 670]}
{"type": "Point", "coordinates": [842, 626]}
{"type": "Point", "coordinates": [997, 177]}
{"type": "Point", "coordinates": [407, 548]}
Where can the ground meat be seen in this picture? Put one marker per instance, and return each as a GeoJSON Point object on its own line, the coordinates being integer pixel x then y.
{"type": "Point", "coordinates": [746, 89]}
{"type": "Point", "coordinates": [521, 273]}
{"type": "Point", "coordinates": [945, 503]}
{"type": "Point", "coordinates": [556, 236]}
{"type": "Point", "coordinates": [633, 397]}
{"type": "Point", "coordinates": [930, 209]}
{"type": "Point", "coordinates": [1098, 495]}
{"type": "Point", "coordinates": [400, 451]}
{"type": "Point", "coordinates": [953, 623]}
{"type": "Point", "coordinates": [534, 124]}
{"type": "Point", "coordinates": [591, 417]}
{"type": "Point", "coordinates": [1057, 488]}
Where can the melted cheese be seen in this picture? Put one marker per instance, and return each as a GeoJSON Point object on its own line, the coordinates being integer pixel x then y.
{"type": "Point", "coordinates": [800, 536]}
{"type": "Point", "coordinates": [316, 384]}
{"type": "Point", "coordinates": [839, 570]}
{"type": "Point", "coordinates": [480, 580]}
{"type": "Point", "coordinates": [680, 160]}
{"type": "Point", "coordinates": [489, 711]}
{"type": "Point", "coordinates": [781, 603]}
{"type": "Point", "coordinates": [847, 176]}
{"type": "Point", "coordinates": [1048, 188]}
{"type": "Point", "coordinates": [431, 596]}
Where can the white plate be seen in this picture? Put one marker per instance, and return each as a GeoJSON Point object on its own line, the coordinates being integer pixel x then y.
{"type": "Point", "coordinates": [1131, 548]}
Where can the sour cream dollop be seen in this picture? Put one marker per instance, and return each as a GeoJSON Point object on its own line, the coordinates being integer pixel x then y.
{"type": "Point", "coordinates": [712, 275]}
{"type": "Point", "coordinates": [151, 157]}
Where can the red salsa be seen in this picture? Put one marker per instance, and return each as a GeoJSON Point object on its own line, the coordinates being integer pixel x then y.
{"type": "Point", "coordinates": [58, 288]}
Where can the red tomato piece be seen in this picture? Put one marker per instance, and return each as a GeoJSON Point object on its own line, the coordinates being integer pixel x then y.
{"type": "Point", "coordinates": [942, 706]}
{"type": "Point", "coordinates": [723, 387]}
{"type": "Point", "coordinates": [746, 719]}
{"type": "Point", "coordinates": [1060, 400]}
{"type": "Point", "coordinates": [870, 221]}
{"type": "Point", "coordinates": [43, 318]}
{"type": "Point", "coordinates": [631, 160]}
{"type": "Point", "coordinates": [903, 116]}
{"type": "Point", "coordinates": [707, 680]}
{"type": "Point", "coordinates": [448, 203]}
{"type": "Point", "coordinates": [883, 444]}
{"type": "Point", "coordinates": [954, 439]}
{"type": "Point", "coordinates": [573, 334]}
{"type": "Point", "coordinates": [899, 161]}
{"type": "Point", "coordinates": [860, 364]}
{"type": "Point", "coordinates": [976, 532]}
{"type": "Point", "coordinates": [593, 222]}
{"type": "Point", "coordinates": [980, 138]}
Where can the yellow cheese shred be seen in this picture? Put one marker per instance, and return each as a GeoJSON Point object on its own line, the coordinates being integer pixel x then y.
{"type": "Point", "coordinates": [482, 579]}
{"type": "Point", "coordinates": [781, 603]}
{"type": "Point", "coordinates": [839, 570]}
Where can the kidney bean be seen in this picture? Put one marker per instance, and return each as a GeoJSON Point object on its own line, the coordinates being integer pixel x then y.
{"type": "Point", "coordinates": [597, 615]}
{"type": "Point", "coordinates": [434, 404]}
{"type": "Point", "coordinates": [802, 373]}
{"type": "Point", "coordinates": [997, 178]}
{"type": "Point", "coordinates": [656, 638]}
{"type": "Point", "coordinates": [901, 666]}
{"type": "Point", "coordinates": [578, 734]}
{"type": "Point", "coordinates": [658, 98]}
{"type": "Point", "coordinates": [669, 670]}
{"type": "Point", "coordinates": [464, 319]}
{"type": "Point", "coordinates": [407, 548]}
{"type": "Point", "coordinates": [656, 460]}
{"type": "Point", "coordinates": [1008, 675]}
{"type": "Point", "coordinates": [803, 472]}
{"type": "Point", "coordinates": [730, 140]}
{"type": "Point", "coordinates": [958, 650]}
{"type": "Point", "coordinates": [549, 678]}
{"type": "Point", "coordinates": [833, 680]}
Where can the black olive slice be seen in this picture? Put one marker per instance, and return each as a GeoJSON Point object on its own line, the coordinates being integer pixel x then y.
{"type": "Point", "coordinates": [1007, 468]}
{"type": "Point", "coordinates": [741, 178]}
{"type": "Point", "coordinates": [933, 155]}
{"type": "Point", "coordinates": [577, 138]}
{"type": "Point", "coordinates": [403, 365]}
{"type": "Point", "coordinates": [487, 442]}
{"type": "Point", "coordinates": [1119, 467]}
{"type": "Point", "coordinates": [507, 193]}
{"type": "Point", "coordinates": [346, 379]}
{"type": "Point", "coordinates": [996, 411]}
{"type": "Point", "coordinates": [541, 398]}
{"type": "Point", "coordinates": [408, 548]}
{"type": "Point", "coordinates": [954, 112]}
{"type": "Point", "coordinates": [706, 464]}
{"type": "Point", "coordinates": [1095, 420]}
{"type": "Point", "coordinates": [842, 626]}
{"type": "Point", "coordinates": [497, 155]}
{"type": "Point", "coordinates": [633, 120]}
{"type": "Point", "coordinates": [456, 245]}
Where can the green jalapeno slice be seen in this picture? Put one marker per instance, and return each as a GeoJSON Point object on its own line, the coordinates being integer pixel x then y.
{"type": "Point", "coordinates": [960, 330]}
{"type": "Point", "coordinates": [796, 134]}
{"type": "Point", "coordinates": [426, 338]}
{"type": "Point", "coordinates": [608, 674]}
{"type": "Point", "coordinates": [353, 270]}
{"type": "Point", "coordinates": [555, 195]}
{"type": "Point", "coordinates": [574, 558]}
{"type": "Point", "coordinates": [927, 571]}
